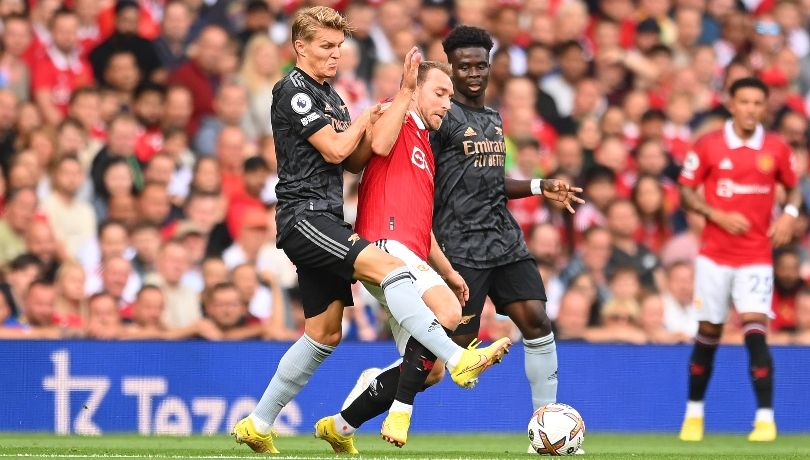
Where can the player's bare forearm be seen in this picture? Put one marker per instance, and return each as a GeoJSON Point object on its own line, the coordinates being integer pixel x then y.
{"type": "Point", "coordinates": [794, 197]}
{"type": "Point", "coordinates": [358, 160]}
{"type": "Point", "coordinates": [384, 132]}
{"type": "Point", "coordinates": [517, 188]}
{"type": "Point", "coordinates": [335, 147]}
{"type": "Point", "coordinates": [437, 259]}
{"type": "Point", "coordinates": [692, 201]}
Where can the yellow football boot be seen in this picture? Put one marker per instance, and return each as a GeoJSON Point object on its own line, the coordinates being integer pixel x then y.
{"type": "Point", "coordinates": [692, 429]}
{"type": "Point", "coordinates": [245, 433]}
{"type": "Point", "coordinates": [476, 360]}
{"type": "Point", "coordinates": [325, 429]}
{"type": "Point", "coordinates": [763, 432]}
{"type": "Point", "coordinates": [395, 428]}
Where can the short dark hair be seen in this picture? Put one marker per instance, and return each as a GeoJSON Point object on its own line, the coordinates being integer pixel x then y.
{"type": "Point", "coordinates": [146, 288]}
{"type": "Point", "coordinates": [748, 82]}
{"type": "Point", "coordinates": [122, 5]}
{"type": "Point", "coordinates": [13, 193]}
{"type": "Point", "coordinates": [653, 115]}
{"type": "Point", "coordinates": [149, 87]}
{"type": "Point", "coordinates": [568, 45]}
{"type": "Point", "coordinates": [39, 282]}
{"type": "Point", "coordinates": [222, 286]}
{"type": "Point", "coordinates": [62, 11]}
{"type": "Point", "coordinates": [622, 270]}
{"type": "Point", "coordinates": [426, 66]}
{"type": "Point", "coordinates": [598, 173]}
{"type": "Point", "coordinates": [23, 261]}
{"type": "Point", "coordinates": [467, 37]}
{"type": "Point", "coordinates": [255, 163]}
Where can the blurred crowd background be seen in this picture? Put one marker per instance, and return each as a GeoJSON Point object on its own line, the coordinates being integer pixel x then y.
{"type": "Point", "coordinates": [138, 164]}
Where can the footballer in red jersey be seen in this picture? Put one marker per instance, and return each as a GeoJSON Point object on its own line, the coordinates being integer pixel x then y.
{"type": "Point", "coordinates": [395, 209]}
{"type": "Point", "coordinates": [739, 168]}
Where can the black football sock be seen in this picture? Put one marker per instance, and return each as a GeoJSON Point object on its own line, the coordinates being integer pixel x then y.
{"type": "Point", "coordinates": [416, 365]}
{"type": "Point", "coordinates": [761, 363]}
{"type": "Point", "coordinates": [375, 400]}
{"type": "Point", "coordinates": [700, 366]}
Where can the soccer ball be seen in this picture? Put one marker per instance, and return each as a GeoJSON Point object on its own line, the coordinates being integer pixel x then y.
{"type": "Point", "coordinates": [556, 429]}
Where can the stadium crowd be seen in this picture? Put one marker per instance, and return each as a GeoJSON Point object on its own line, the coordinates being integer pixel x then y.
{"type": "Point", "coordinates": [138, 164]}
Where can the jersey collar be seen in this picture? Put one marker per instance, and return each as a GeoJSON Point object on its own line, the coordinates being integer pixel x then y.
{"type": "Point", "coordinates": [417, 120]}
{"type": "Point", "coordinates": [734, 142]}
{"type": "Point", "coordinates": [312, 80]}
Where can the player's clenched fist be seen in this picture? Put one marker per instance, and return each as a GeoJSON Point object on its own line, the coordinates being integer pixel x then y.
{"type": "Point", "coordinates": [563, 192]}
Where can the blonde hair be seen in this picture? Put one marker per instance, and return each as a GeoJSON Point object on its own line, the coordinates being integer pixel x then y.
{"type": "Point", "coordinates": [307, 21]}
{"type": "Point", "coordinates": [248, 73]}
{"type": "Point", "coordinates": [426, 66]}
{"type": "Point", "coordinates": [618, 306]}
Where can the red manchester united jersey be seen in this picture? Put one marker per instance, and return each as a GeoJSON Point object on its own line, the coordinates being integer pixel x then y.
{"type": "Point", "coordinates": [739, 176]}
{"type": "Point", "coordinates": [396, 191]}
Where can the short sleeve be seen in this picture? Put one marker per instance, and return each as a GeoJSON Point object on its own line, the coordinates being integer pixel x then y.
{"type": "Point", "coordinates": [695, 165]}
{"type": "Point", "coordinates": [301, 112]}
{"type": "Point", "coordinates": [786, 173]}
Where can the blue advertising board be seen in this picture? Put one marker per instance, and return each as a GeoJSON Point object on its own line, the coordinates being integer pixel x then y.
{"type": "Point", "coordinates": [202, 387]}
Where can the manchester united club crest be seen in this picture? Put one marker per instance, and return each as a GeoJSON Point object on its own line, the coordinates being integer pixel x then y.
{"type": "Point", "coordinates": [765, 163]}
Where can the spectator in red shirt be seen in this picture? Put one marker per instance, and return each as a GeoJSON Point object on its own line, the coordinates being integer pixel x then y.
{"type": "Point", "coordinates": [61, 70]}
{"type": "Point", "coordinates": [85, 106]}
{"type": "Point", "coordinates": [149, 106]}
{"type": "Point", "coordinates": [103, 319]}
{"type": "Point", "coordinates": [89, 34]}
{"type": "Point", "coordinates": [224, 307]}
{"type": "Point", "coordinates": [255, 173]}
{"type": "Point", "coordinates": [230, 156]}
{"type": "Point", "coordinates": [70, 306]}
{"type": "Point", "coordinates": [201, 73]}
{"type": "Point", "coordinates": [787, 282]}
{"type": "Point", "coordinates": [648, 197]}
{"type": "Point", "coordinates": [41, 14]}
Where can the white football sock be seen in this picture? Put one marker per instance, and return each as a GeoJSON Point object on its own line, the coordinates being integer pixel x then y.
{"type": "Point", "coordinates": [694, 409]}
{"type": "Point", "coordinates": [401, 407]}
{"type": "Point", "coordinates": [764, 415]}
{"type": "Point", "coordinates": [261, 426]}
{"type": "Point", "coordinates": [343, 427]}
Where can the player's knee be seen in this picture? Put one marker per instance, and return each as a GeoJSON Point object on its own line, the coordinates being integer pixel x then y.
{"type": "Point", "coordinates": [330, 337]}
{"type": "Point", "coordinates": [436, 374]}
{"type": "Point", "coordinates": [707, 329]}
{"type": "Point", "coordinates": [449, 315]}
{"type": "Point", "coordinates": [533, 322]}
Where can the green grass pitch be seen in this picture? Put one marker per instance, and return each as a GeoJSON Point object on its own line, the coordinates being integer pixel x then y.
{"type": "Point", "coordinates": [480, 446]}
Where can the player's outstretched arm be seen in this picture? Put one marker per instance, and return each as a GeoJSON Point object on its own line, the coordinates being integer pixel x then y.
{"type": "Point", "coordinates": [384, 132]}
{"type": "Point", "coordinates": [553, 189]}
{"type": "Point", "coordinates": [335, 147]}
{"type": "Point", "coordinates": [358, 160]}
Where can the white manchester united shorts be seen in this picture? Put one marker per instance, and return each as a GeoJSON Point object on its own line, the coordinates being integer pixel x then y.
{"type": "Point", "coordinates": [748, 288]}
{"type": "Point", "coordinates": [426, 278]}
